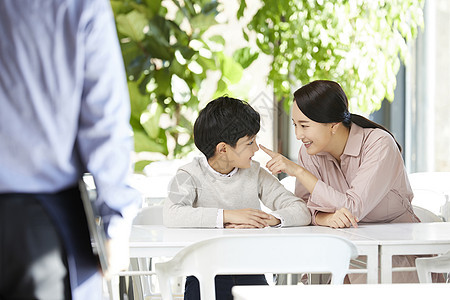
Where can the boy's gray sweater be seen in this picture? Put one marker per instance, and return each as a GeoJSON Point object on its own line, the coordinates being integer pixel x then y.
{"type": "Point", "coordinates": [196, 194]}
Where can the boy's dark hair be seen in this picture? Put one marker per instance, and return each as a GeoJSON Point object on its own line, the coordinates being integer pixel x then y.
{"type": "Point", "coordinates": [224, 120]}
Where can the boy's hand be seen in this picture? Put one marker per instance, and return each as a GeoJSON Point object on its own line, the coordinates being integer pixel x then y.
{"type": "Point", "coordinates": [247, 216]}
{"type": "Point", "coordinates": [279, 163]}
{"type": "Point", "coordinates": [273, 221]}
{"type": "Point", "coordinates": [239, 226]}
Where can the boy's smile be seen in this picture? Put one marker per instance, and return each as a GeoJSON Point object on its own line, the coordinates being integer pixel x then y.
{"type": "Point", "coordinates": [227, 158]}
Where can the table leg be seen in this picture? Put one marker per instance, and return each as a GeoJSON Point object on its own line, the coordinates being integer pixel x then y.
{"type": "Point", "coordinates": [370, 262]}
{"type": "Point", "coordinates": [386, 266]}
{"type": "Point", "coordinates": [372, 267]}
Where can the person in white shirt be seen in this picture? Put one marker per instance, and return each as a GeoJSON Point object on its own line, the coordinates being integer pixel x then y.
{"type": "Point", "coordinates": [224, 188]}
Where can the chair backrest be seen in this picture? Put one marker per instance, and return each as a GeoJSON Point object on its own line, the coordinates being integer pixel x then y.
{"type": "Point", "coordinates": [427, 265]}
{"type": "Point", "coordinates": [432, 192]}
{"type": "Point", "coordinates": [436, 181]}
{"type": "Point", "coordinates": [431, 200]}
{"type": "Point", "coordinates": [257, 254]}
{"type": "Point", "coordinates": [425, 215]}
{"type": "Point", "coordinates": [149, 215]}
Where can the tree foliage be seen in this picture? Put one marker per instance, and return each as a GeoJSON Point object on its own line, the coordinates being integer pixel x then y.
{"type": "Point", "coordinates": [167, 53]}
{"type": "Point", "coordinates": [358, 43]}
{"type": "Point", "coordinates": [167, 57]}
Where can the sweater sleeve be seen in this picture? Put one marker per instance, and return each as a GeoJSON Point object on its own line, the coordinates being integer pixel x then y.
{"type": "Point", "coordinates": [285, 204]}
{"type": "Point", "coordinates": [179, 207]}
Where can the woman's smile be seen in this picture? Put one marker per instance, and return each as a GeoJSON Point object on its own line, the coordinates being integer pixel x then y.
{"type": "Point", "coordinates": [307, 144]}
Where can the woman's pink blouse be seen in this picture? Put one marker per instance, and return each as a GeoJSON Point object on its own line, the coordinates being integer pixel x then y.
{"type": "Point", "coordinates": [371, 180]}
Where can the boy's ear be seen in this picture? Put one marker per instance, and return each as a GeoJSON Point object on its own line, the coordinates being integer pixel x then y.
{"type": "Point", "coordinates": [221, 148]}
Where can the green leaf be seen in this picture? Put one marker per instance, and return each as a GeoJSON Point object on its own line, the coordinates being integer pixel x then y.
{"type": "Point", "coordinates": [179, 17]}
{"type": "Point", "coordinates": [138, 101]}
{"type": "Point", "coordinates": [242, 6]}
{"type": "Point", "coordinates": [150, 119]}
{"type": "Point", "coordinates": [140, 165]}
{"type": "Point", "coordinates": [183, 150]}
{"type": "Point", "coordinates": [157, 40]}
{"type": "Point", "coordinates": [145, 10]}
{"type": "Point", "coordinates": [245, 56]}
{"type": "Point", "coordinates": [245, 36]}
{"type": "Point", "coordinates": [210, 8]}
{"type": "Point", "coordinates": [132, 25]}
{"type": "Point", "coordinates": [162, 79]}
{"type": "Point", "coordinates": [134, 59]}
{"type": "Point", "coordinates": [203, 22]}
{"type": "Point", "coordinates": [119, 7]}
{"type": "Point", "coordinates": [217, 39]}
{"type": "Point", "coordinates": [187, 52]}
{"type": "Point", "coordinates": [222, 89]}
{"type": "Point", "coordinates": [231, 70]}
{"type": "Point", "coordinates": [143, 142]}
{"type": "Point", "coordinates": [153, 5]}
{"type": "Point", "coordinates": [207, 63]}
{"type": "Point", "coordinates": [178, 69]}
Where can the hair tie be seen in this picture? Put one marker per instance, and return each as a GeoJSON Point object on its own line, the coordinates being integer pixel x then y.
{"type": "Point", "coordinates": [347, 117]}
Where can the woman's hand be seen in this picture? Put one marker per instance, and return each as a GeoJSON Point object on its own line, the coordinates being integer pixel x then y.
{"type": "Point", "coordinates": [279, 163]}
{"type": "Point", "coordinates": [247, 216]}
{"type": "Point", "coordinates": [341, 218]}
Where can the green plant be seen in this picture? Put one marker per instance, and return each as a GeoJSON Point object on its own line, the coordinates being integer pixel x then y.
{"type": "Point", "coordinates": [167, 56]}
{"type": "Point", "coordinates": [358, 43]}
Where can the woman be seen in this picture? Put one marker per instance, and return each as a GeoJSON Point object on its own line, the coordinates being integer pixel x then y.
{"type": "Point", "coordinates": [350, 169]}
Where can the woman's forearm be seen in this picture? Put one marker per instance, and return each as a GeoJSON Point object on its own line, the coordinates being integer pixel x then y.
{"type": "Point", "coordinates": [306, 178]}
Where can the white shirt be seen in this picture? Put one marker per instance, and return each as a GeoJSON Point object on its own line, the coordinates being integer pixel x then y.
{"type": "Point", "coordinates": [64, 104]}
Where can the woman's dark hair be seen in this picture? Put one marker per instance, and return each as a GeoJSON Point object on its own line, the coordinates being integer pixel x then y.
{"type": "Point", "coordinates": [224, 120]}
{"type": "Point", "coordinates": [324, 101]}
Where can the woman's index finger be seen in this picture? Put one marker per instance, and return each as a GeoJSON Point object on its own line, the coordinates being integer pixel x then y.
{"type": "Point", "coordinates": [268, 151]}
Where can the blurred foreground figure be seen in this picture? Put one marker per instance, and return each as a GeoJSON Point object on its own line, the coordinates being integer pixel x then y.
{"type": "Point", "coordinates": [64, 110]}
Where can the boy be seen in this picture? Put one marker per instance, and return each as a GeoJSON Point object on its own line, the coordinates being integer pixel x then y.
{"type": "Point", "coordinates": [224, 187]}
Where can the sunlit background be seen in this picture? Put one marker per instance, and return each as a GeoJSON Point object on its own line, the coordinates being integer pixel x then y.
{"type": "Point", "coordinates": [391, 58]}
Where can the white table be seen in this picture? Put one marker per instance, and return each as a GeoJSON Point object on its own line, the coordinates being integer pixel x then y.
{"type": "Point", "coordinates": [343, 292]}
{"type": "Point", "coordinates": [157, 241]}
{"type": "Point", "coordinates": [404, 239]}
{"type": "Point", "coordinates": [372, 240]}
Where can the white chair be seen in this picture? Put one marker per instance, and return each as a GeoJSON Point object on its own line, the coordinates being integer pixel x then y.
{"type": "Point", "coordinates": [142, 284]}
{"type": "Point", "coordinates": [257, 254]}
{"type": "Point", "coordinates": [427, 265]}
{"type": "Point", "coordinates": [141, 269]}
{"type": "Point", "coordinates": [425, 216]}
{"type": "Point", "coordinates": [289, 183]}
{"type": "Point", "coordinates": [149, 215]}
{"type": "Point", "coordinates": [432, 192]}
